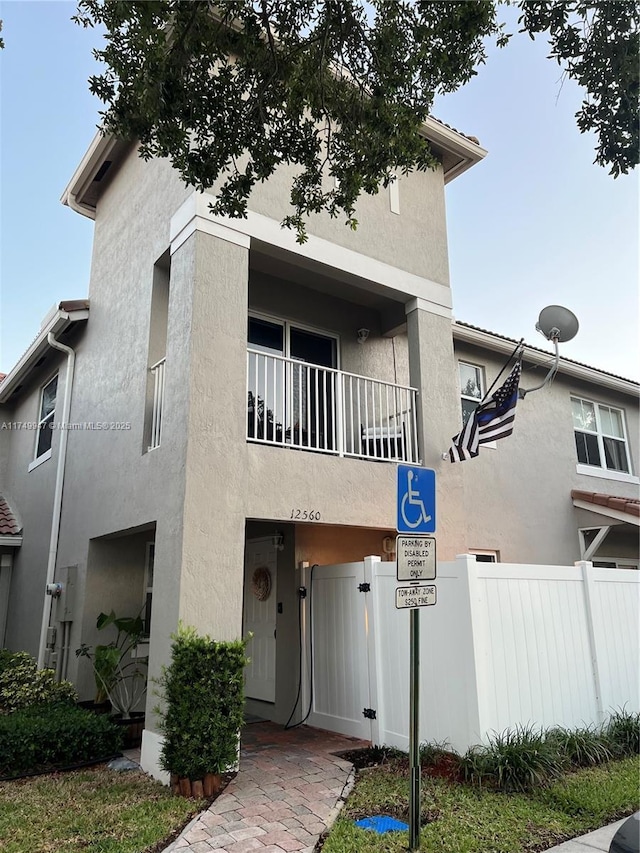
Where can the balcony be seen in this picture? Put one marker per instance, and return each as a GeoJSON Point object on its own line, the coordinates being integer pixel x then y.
{"type": "Point", "coordinates": [157, 376]}
{"type": "Point", "coordinates": [295, 404]}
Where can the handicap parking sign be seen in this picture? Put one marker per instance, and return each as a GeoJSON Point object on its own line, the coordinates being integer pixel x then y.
{"type": "Point", "coordinates": [416, 500]}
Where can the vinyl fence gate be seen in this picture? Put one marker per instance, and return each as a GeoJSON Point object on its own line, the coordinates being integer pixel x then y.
{"type": "Point", "coordinates": [506, 644]}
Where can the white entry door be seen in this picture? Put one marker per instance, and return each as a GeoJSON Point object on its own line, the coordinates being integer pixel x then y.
{"type": "Point", "coordinates": [260, 575]}
{"type": "Point", "coordinates": [338, 624]}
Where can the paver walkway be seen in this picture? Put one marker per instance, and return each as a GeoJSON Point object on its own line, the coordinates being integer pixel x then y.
{"type": "Point", "coordinates": [288, 790]}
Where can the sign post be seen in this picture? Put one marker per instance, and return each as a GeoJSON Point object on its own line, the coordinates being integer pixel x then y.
{"type": "Point", "coordinates": [416, 561]}
{"type": "Point", "coordinates": [414, 733]}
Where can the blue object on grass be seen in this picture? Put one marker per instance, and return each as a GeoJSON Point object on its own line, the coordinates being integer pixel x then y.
{"type": "Point", "coordinates": [382, 824]}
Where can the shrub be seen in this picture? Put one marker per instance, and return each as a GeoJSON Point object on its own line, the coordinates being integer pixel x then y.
{"type": "Point", "coordinates": [623, 733]}
{"type": "Point", "coordinates": [22, 684]}
{"type": "Point", "coordinates": [581, 747]}
{"type": "Point", "coordinates": [519, 759]}
{"type": "Point", "coordinates": [47, 736]}
{"type": "Point", "coordinates": [119, 678]}
{"type": "Point", "coordinates": [203, 689]}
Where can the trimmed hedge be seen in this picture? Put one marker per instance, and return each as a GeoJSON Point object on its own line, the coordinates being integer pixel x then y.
{"type": "Point", "coordinates": [22, 684]}
{"type": "Point", "coordinates": [203, 689]}
{"type": "Point", "coordinates": [45, 737]}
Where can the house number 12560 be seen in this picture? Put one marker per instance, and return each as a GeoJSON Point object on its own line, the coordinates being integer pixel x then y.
{"type": "Point", "coordinates": [305, 514]}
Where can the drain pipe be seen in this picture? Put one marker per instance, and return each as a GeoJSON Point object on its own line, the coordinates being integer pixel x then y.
{"type": "Point", "coordinates": [57, 495]}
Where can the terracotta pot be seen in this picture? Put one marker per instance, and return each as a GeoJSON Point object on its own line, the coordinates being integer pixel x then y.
{"type": "Point", "coordinates": [132, 729]}
{"type": "Point", "coordinates": [212, 784]}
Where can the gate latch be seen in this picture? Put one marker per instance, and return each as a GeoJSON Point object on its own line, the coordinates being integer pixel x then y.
{"type": "Point", "coordinates": [369, 714]}
{"type": "Point", "coordinates": [364, 587]}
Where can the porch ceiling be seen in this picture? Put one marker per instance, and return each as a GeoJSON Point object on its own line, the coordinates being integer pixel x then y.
{"type": "Point", "coordinates": [276, 262]}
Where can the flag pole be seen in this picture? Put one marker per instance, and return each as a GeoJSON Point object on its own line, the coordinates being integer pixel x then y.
{"type": "Point", "coordinates": [520, 345]}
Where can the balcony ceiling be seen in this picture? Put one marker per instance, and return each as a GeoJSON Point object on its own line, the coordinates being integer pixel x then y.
{"type": "Point", "coordinates": [278, 263]}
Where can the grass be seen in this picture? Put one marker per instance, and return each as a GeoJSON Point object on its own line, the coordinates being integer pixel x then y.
{"type": "Point", "coordinates": [518, 759]}
{"type": "Point", "coordinates": [460, 818]}
{"type": "Point", "coordinates": [96, 810]}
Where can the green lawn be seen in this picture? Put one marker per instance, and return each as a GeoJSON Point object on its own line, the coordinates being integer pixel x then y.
{"type": "Point", "coordinates": [95, 810]}
{"type": "Point", "coordinates": [460, 819]}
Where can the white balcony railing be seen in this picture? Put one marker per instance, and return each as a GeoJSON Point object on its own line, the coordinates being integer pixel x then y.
{"type": "Point", "coordinates": [157, 372]}
{"type": "Point", "coordinates": [295, 404]}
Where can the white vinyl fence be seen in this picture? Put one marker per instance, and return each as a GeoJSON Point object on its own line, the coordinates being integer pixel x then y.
{"type": "Point", "coordinates": [506, 644]}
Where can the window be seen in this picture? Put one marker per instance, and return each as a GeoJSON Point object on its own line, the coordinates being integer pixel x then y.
{"type": "Point", "coordinates": [600, 435]}
{"type": "Point", "coordinates": [290, 394]}
{"type": "Point", "coordinates": [483, 556]}
{"type": "Point", "coordinates": [615, 563]}
{"type": "Point", "coordinates": [148, 588]}
{"type": "Point", "coordinates": [45, 417]}
{"type": "Point", "coordinates": [471, 388]}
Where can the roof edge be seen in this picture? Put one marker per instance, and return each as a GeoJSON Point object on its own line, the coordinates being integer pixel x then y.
{"type": "Point", "coordinates": [465, 149]}
{"type": "Point", "coordinates": [57, 321]}
{"type": "Point", "coordinates": [498, 343]}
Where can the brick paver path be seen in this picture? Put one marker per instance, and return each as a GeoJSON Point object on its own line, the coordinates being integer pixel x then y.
{"type": "Point", "coordinates": [289, 789]}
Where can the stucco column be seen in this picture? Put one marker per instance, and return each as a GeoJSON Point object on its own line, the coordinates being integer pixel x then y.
{"type": "Point", "coordinates": [213, 529]}
{"type": "Point", "coordinates": [432, 369]}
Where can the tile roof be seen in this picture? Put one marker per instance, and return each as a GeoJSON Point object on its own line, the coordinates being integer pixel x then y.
{"type": "Point", "coordinates": [8, 524]}
{"type": "Point", "coordinates": [631, 506]}
{"type": "Point", "coordinates": [455, 130]}
{"type": "Point", "coordinates": [543, 351]}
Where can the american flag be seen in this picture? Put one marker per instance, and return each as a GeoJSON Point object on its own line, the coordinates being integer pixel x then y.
{"type": "Point", "coordinates": [490, 421]}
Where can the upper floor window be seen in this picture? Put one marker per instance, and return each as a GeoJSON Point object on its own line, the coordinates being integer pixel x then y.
{"type": "Point", "coordinates": [600, 435]}
{"type": "Point", "coordinates": [471, 388]}
{"type": "Point", "coordinates": [45, 417]}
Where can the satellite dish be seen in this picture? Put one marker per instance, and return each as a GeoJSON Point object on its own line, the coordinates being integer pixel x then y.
{"type": "Point", "coordinates": [557, 323]}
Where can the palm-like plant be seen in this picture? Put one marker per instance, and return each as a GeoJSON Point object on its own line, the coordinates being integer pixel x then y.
{"type": "Point", "coordinates": [119, 678]}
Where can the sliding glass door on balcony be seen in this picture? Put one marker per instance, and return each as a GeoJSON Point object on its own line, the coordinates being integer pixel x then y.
{"type": "Point", "coordinates": [290, 391]}
{"type": "Point", "coordinates": [296, 397]}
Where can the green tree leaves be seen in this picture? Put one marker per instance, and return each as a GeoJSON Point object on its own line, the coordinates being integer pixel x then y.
{"type": "Point", "coordinates": [335, 91]}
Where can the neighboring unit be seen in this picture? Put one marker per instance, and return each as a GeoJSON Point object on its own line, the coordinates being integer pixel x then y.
{"type": "Point", "coordinates": [229, 407]}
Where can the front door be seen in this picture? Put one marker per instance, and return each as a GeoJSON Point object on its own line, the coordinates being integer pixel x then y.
{"type": "Point", "coordinates": [260, 575]}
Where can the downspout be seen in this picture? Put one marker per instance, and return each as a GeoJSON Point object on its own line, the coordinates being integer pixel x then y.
{"type": "Point", "coordinates": [57, 495]}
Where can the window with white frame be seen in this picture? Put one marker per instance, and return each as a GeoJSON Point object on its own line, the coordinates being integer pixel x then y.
{"type": "Point", "coordinates": [484, 556]}
{"type": "Point", "coordinates": [615, 563]}
{"type": "Point", "coordinates": [148, 587]}
{"type": "Point", "coordinates": [471, 388]}
{"type": "Point", "coordinates": [600, 435]}
{"type": "Point", "coordinates": [45, 417]}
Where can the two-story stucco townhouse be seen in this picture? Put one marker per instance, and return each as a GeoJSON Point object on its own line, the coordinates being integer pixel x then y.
{"type": "Point", "coordinates": [229, 406]}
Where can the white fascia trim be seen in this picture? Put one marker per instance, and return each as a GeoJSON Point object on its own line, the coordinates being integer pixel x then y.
{"type": "Point", "coordinates": [607, 512]}
{"type": "Point", "coordinates": [604, 474]}
{"type": "Point", "coordinates": [58, 322]}
{"type": "Point", "coordinates": [592, 375]}
{"type": "Point", "coordinates": [95, 155]}
{"type": "Point", "coordinates": [428, 305]}
{"type": "Point", "coordinates": [193, 215]}
{"type": "Point", "coordinates": [9, 541]}
{"type": "Point", "coordinates": [455, 143]}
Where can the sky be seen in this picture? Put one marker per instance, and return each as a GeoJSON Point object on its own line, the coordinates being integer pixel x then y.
{"type": "Point", "coordinates": [536, 223]}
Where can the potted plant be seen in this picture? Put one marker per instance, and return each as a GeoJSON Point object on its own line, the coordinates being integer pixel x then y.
{"type": "Point", "coordinates": [121, 679]}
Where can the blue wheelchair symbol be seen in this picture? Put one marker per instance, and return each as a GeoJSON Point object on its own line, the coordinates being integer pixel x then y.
{"type": "Point", "coordinates": [416, 500]}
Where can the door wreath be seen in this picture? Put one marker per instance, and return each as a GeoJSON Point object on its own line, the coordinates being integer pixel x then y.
{"type": "Point", "coordinates": [261, 583]}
